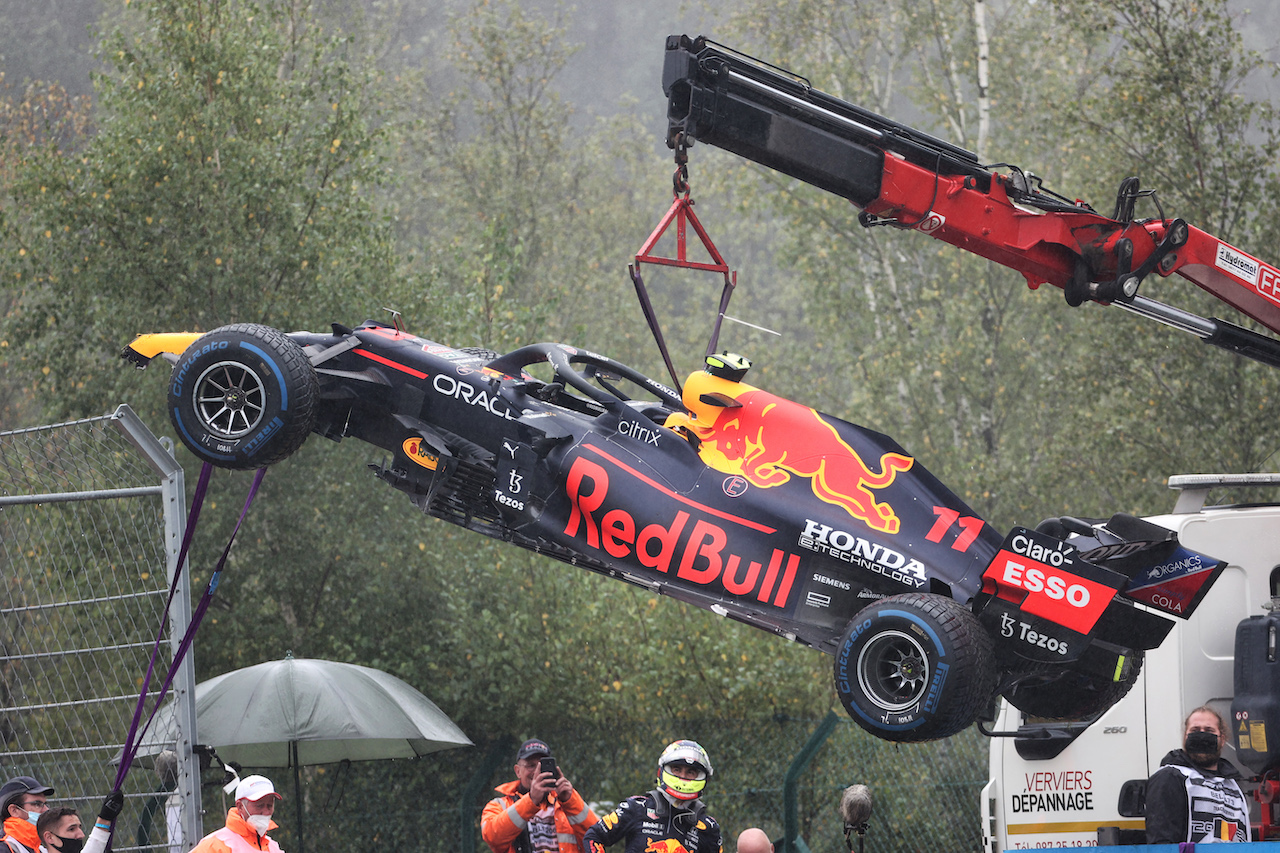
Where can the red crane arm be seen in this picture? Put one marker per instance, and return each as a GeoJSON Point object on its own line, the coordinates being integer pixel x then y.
{"type": "Point", "coordinates": [903, 177]}
{"type": "Point", "coordinates": [1046, 246]}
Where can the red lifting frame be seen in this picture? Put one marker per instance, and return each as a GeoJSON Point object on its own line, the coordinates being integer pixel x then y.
{"type": "Point", "coordinates": [681, 212]}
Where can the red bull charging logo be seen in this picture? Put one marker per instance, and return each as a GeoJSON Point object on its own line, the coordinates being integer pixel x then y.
{"type": "Point", "coordinates": [665, 845]}
{"type": "Point", "coordinates": [768, 439]}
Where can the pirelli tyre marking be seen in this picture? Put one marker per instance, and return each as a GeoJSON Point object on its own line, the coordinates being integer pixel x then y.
{"type": "Point", "coordinates": [243, 396]}
{"type": "Point", "coordinates": [914, 667]}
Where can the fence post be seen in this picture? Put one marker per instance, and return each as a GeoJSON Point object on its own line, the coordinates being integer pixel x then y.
{"type": "Point", "coordinates": [91, 516]}
{"type": "Point", "coordinates": [159, 456]}
{"type": "Point", "coordinates": [791, 840]}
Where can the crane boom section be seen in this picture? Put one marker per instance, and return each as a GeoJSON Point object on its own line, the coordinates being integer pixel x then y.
{"type": "Point", "coordinates": [901, 176]}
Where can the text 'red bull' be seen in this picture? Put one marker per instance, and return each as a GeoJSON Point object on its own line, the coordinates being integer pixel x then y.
{"type": "Point", "coordinates": [767, 439]}
{"type": "Point", "coordinates": [697, 550]}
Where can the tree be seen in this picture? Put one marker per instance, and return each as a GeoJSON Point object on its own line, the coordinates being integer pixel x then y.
{"type": "Point", "coordinates": [1165, 101]}
{"type": "Point", "coordinates": [941, 350]}
{"type": "Point", "coordinates": [229, 178]}
{"type": "Point", "coordinates": [525, 222]}
{"type": "Point", "coordinates": [331, 558]}
{"type": "Point", "coordinates": [33, 115]}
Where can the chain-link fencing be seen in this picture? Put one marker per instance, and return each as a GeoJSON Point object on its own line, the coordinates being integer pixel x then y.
{"type": "Point", "coordinates": [91, 520]}
{"type": "Point", "coordinates": [926, 796]}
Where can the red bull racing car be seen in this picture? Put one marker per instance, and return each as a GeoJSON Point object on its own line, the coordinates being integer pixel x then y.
{"type": "Point", "coordinates": [719, 494]}
{"type": "Point", "coordinates": [749, 505]}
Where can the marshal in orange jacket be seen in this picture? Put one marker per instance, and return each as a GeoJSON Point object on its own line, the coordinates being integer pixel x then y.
{"type": "Point", "coordinates": [505, 818]}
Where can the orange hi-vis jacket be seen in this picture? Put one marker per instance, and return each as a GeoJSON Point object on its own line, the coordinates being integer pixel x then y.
{"type": "Point", "coordinates": [20, 835]}
{"type": "Point", "coordinates": [504, 820]}
{"type": "Point", "coordinates": [236, 837]}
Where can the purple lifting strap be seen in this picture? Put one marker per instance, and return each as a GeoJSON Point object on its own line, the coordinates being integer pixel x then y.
{"type": "Point", "coordinates": [134, 738]}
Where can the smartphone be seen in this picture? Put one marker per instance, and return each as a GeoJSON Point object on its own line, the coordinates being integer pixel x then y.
{"type": "Point", "coordinates": [548, 765]}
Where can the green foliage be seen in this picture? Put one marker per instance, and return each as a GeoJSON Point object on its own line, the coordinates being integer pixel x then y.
{"type": "Point", "coordinates": [228, 179]}
{"type": "Point", "coordinates": [941, 350]}
{"type": "Point", "coordinates": [524, 224]}
{"type": "Point", "coordinates": [239, 166]}
{"type": "Point", "coordinates": [516, 229]}
{"type": "Point", "coordinates": [36, 114]}
{"type": "Point", "coordinates": [1167, 95]}
{"type": "Point", "coordinates": [1165, 103]}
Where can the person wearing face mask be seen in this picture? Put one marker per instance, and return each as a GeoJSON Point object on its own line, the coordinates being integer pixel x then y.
{"type": "Point", "coordinates": [247, 823]}
{"type": "Point", "coordinates": [60, 831]}
{"type": "Point", "coordinates": [1195, 795]}
{"type": "Point", "coordinates": [23, 800]}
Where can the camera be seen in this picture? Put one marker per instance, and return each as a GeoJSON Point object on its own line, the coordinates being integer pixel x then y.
{"type": "Point", "coordinates": [548, 765]}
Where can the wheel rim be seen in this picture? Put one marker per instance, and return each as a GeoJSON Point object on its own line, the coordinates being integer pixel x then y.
{"type": "Point", "coordinates": [230, 399]}
{"type": "Point", "coordinates": [893, 671]}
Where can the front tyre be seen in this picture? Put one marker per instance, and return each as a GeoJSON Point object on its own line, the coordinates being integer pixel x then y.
{"type": "Point", "coordinates": [915, 667]}
{"type": "Point", "coordinates": [243, 396]}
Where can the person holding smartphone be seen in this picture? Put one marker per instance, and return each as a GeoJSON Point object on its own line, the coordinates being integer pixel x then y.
{"type": "Point", "coordinates": [539, 811]}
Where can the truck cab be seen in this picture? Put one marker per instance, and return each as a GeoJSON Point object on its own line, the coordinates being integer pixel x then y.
{"type": "Point", "coordinates": [1080, 783]}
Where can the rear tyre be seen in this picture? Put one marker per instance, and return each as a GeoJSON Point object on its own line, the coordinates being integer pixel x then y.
{"type": "Point", "coordinates": [243, 396]}
{"type": "Point", "coordinates": [1071, 695]}
{"type": "Point", "coordinates": [915, 667]}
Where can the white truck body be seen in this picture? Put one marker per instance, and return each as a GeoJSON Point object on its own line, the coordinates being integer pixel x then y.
{"type": "Point", "coordinates": [1062, 801]}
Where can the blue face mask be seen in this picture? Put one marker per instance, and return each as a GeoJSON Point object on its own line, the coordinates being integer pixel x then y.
{"type": "Point", "coordinates": [33, 817]}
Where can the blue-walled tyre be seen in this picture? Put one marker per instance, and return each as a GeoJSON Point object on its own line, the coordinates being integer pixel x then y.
{"type": "Point", "coordinates": [915, 667]}
{"type": "Point", "coordinates": [243, 396]}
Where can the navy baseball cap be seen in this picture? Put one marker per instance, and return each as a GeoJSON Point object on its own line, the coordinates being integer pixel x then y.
{"type": "Point", "coordinates": [19, 786]}
{"type": "Point", "coordinates": [532, 747]}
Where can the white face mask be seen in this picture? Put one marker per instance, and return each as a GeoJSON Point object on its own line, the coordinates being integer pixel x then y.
{"type": "Point", "coordinates": [259, 822]}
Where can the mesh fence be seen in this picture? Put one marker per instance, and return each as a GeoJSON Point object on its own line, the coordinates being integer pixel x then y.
{"type": "Point", "coordinates": [926, 796]}
{"type": "Point", "coordinates": [90, 522]}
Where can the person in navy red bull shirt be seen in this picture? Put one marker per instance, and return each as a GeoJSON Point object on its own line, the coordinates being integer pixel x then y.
{"type": "Point", "coordinates": [669, 819]}
{"type": "Point", "coordinates": [1195, 795]}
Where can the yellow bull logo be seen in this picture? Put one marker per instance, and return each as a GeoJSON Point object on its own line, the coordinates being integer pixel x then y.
{"type": "Point", "coordinates": [767, 439]}
{"type": "Point", "coordinates": [666, 845]}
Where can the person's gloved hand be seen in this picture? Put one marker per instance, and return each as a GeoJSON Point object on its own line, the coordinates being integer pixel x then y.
{"type": "Point", "coordinates": [112, 806]}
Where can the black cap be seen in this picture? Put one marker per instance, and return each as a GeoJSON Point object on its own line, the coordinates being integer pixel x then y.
{"type": "Point", "coordinates": [19, 786]}
{"type": "Point", "coordinates": [532, 747]}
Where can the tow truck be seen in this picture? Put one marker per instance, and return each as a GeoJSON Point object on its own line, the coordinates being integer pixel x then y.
{"type": "Point", "coordinates": [1062, 774]}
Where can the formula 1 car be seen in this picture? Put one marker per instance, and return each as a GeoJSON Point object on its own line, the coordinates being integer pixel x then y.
{"type": "Point", "coordinates": [744, 503]}
{"type": "Point", "coordinates": [721, 495]}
